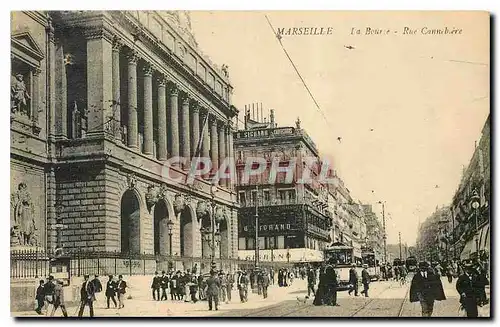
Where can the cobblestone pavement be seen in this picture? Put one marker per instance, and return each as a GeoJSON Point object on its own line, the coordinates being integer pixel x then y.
{"type": "Point", "coordinates": [387, 299]}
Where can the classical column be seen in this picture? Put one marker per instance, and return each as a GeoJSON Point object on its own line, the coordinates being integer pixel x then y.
{"type": "Point", "coordinates": [231, 154]}
{"type": "Point", "coordinates": [116, 88]}
{"type": "Point", "coordinates": [99, 80]}
{"type": "Point", "coordinates": [61, 104]}
{"type": "Point", "coordinates": [148, 109]}
{"type": "Point", "coordinates": [195, 129]}
{"type": "Point", "coordinates": [185, 141]}
{"type": "Point", "coordinates": [174, 120]}
{"type": "Point", "coordinates": [132, 57]}
{"type": "Point", "coordinates": [205, 145]}
{"type": "Point", "coordinates": [35, 101]}
{"type": "Point", "coordinates": [222, 147]}
{"type": "Point", "coordinates": [51, 63]}
{"type": "Point", "coordinates": [162, 120]}
{"type": "Point", "coordinates": [214, 144]}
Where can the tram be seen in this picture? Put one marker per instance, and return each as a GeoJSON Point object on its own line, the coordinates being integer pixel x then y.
{"type": "Point", "coordinates": [369, 258]}
{"type": "Point", "coordinates": [344, 256]}
{"type": "Point", "coordinates": [411, 263]}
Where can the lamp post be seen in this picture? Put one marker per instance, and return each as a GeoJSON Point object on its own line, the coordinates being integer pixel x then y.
{"type": "Point", "coordinates": [385, 235]}
{"type": "Point", "coordinates": [170, 225]}
{"type": "Point", "coordinates": [213, 190]}
{"type": "Point", "coordinates": [256, 226]}
{"type": "Point", "coordinates": [475, 204]}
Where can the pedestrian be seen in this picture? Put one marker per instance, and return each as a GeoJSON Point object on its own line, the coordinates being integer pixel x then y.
{"type": "Point", "coordinates": [201, 287]}
{"type": "Point", "coordinates": [97, 285]}
{"type": "Point", "coordinates": [271, 273]}
{"type": "Point", "coordinates": [319, 297]}
{"type": "Point", "coordinates": [449, 273]}
{"type": "Point", "coordinates": [426, 287]}
{"type": "Point", "coordinates": [59, 299]}
{"type": "Point", "coordinates": [353, 280]}
{"type": "Point", "coordinates": [155, 286]}
{"type": "Point", "coordinates": [229, 288]}
{"type": "Point", "coordinates": [121, 287]}
{"type": "Point", "coordinates": [243, 286]}
{"type": "Point", "coordinates": [164, 281]}
{"type": "Point", "coordinates": [469, 287]}
{"type": "Point", "coordinates": [193, 287]}
{"type": "Point", "coordinates": [365, 279]}
{"type": "Point", "coordinates": [174, 282]}
{"type": "Point", "coordinates": [212, 290]}
{"type": "Point", "coordinates": [181, 286]}
{"type": "Point", "coordinates": [291, 276]}
{"type": "Point", "coordinates": [40, 297]}
{"type": "Point", "coordinates": [111, 291]}
{"type": "Point", "coordinates": [311, 281]}
{"type": "Point", "coordinates": [264, 282]}
{"type": "Point", "coordinates": [331, 285]}
{"type": "Point", "coordinates": [223, 287]}
{"type": "Point", "coordinates": [187, 282]}
{"type": "Point", "coordinates": [48, 291]}
{"type": "Point", "coordinates": [87, 296]}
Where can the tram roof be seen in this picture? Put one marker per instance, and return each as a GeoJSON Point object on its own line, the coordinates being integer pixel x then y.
{"type": "Point", "coordinates": [339, 246]}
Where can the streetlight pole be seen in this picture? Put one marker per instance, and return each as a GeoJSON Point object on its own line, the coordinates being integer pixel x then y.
{"type": "Point", "coordinates": [256, 226]}
{"type": "Point", "coordinates": [475, 204]}
{"type": "Point", "coordinates": [170, 225]}
{"type": "Point", "coordinates": [385, 235]}
{"type": "Point", "coordinates": [400, 249]}
{"type": "Point", "coordinates": [212, 226]}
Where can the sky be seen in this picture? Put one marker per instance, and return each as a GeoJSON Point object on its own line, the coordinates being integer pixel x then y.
{"type": "Point", "coordinates": [407, 107]}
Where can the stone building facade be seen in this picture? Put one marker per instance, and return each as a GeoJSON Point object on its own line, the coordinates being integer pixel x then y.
{"type": "Point", "coordinates": [293, 220]}
{"type": "Point", "coordinates": [110, 99]}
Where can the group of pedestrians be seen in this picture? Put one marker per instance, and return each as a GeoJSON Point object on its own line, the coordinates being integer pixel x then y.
{"type": "Point", "coordinates": [426, 288]}
{"type": "Point", "coordinates": [354, 280]}
{"type": "Point", "coordinates": [51, 294]}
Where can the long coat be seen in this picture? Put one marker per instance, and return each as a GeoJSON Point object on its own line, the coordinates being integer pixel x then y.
{"type": "Point", "coordinates": [353, 276]}
{"type": "Point", "coordinates": [427, 289]}
{"type": "Point", "coordinates": [470, 286]}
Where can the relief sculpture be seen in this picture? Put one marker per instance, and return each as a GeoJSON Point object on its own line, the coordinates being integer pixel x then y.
{"type": "Point", "coordinates": [23, 227]}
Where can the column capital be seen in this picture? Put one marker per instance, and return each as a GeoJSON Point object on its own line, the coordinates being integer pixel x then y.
{"type": "Point", "coordinates": [213, 119]}
{"type": "Point", "coordinates": [174, 89]}
{"type": "Point", "coordinates": [132, 56]}
{"type": "Point", "coordinates": [203, 111]}
{"type": "Point", "coordinates": [147, 69]}
{"type": "Point", "coordinates": [195, 106]}
{"type": "Point", "coordinates": [162, 80]}
{"type": "Point", "coordinates": [186, 98]}
{"type": "Point", "coordinates": [117, 43]}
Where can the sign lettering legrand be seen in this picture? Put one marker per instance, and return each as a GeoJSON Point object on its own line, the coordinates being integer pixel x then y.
{"type": "Point", "coordinates": [269, 227]}
{"type": "Point", "coordinates": [282, 131]}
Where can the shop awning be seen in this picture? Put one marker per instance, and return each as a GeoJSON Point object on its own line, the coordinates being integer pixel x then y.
{"type": "Point", "coordinates": [468, 249]}
{"type": "Point", "coordinates": [484, 238]}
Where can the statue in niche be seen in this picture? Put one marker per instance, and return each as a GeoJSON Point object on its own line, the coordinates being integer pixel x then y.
{"type": "Point", "coordinates": [19, 95]}
{"type": "Point", "coordinates": [23, 226]}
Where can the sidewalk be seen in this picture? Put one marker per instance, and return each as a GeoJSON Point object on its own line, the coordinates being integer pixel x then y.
{"type": "Point", "coordinates": [142, 304]}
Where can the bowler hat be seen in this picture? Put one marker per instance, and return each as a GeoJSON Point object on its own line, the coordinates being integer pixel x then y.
{"type": "Point", "coordinates": [423, 264]}
{"type": "Point", "coordinates": [163, 271]}
{"type": "Point", "coordinates": [365, 265]}
{"type": "Point", "coordinates": [84, 276]}
{"type": "Point", "coordinates": [52, 277]}
{"type": "Point", "coordinates": [353, 264]}
{"type": "Point", "coordinates": [467, 263]}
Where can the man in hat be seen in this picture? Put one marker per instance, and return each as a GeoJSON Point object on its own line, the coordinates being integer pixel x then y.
{"type": "Point", "coordinates": [468, 288]}
{"type": "Point", "coordinates": [111, 291]}
{"type": "Point", "coordinates": [59, 299]}
{"type": "Point", "coordinates": [353, 280]}
{"type": "Point", "coordinates": [230, 283]}
{"type": "Point", "coordinates": [426, 287]}
{"type": "Point", "coordinates": [212, 290]}
{"type": "Point", "coordinates": [40, 297]}
{"type": "Point", "coordinates": [97, 285]}
{"type": "Point", "coordinates": [243, 286]}
{"type": "Point", "coordinates": [365, 279]}
{"type": "Point", "coordinates": [121, 290]}
{"type": "Point", "coordinates": [223, 286]}
{"type": "Point", "coordinates": [164, 285]}
{"type": "Point", "coordinates": [264, 282]}
{"type": "Point", "coordinates": [174, 284]}
{"type": "Point", "coordinates": [87, 296]}
{"type": "Point", "coordinates": [155, 286]}
{"type": "Point", "coordinates": [48, 291]}
{"type": "Point", "coordinates": [311, 281]}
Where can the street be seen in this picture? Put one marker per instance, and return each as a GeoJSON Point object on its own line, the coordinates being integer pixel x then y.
{"type": "Point", "coordinates": [387, 299]}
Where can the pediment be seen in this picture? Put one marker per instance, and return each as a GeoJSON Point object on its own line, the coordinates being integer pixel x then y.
{"type": "Point", "coordinates": [26, 46]}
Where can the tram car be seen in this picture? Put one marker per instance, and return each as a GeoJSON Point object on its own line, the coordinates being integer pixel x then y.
{"type": "Point", "coordinates": [368, 256]}
{"type": "Point", "coordinates": [343, 255]}
{"type": "Point", "coordinates": [411, 263]}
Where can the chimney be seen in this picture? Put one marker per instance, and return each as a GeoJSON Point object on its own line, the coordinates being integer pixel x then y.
{"type": "Point", "coordinates": [253, 112]}
{"type": "Point", "coordinates": [271, 119]}
{"type": "Point", "coordinates": [261, 114]}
